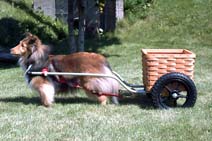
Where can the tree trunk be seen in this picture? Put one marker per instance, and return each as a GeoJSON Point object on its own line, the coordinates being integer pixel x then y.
{"type": "Point", "coordinates": [72, 43]}
{"type": "Point", "coordinates": [81, 33]}
{"type": "Point", "coordinates": [109, 15]}
{"type": "Point", "coordinates": [92, 19]}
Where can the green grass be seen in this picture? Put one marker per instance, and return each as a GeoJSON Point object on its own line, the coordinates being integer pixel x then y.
{"type": "Point", "coordinates": [170, 24]}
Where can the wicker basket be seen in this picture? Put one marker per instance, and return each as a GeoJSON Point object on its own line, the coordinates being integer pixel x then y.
{"type": "Point", "coordinates": [157, 62]}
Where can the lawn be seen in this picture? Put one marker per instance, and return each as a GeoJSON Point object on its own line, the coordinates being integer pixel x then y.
{"type": "Point", "coordinates": [169, 24]}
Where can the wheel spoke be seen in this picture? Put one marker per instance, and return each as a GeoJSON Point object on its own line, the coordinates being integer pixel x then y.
{"type": "Point", "coordinates": [163, 99]}
{"type": "Point", "coordinates": [177, 87]}
{"type": "Point", "coordinates": [167, 88]}
{"type": "Point", "coordinates": [182, 96]}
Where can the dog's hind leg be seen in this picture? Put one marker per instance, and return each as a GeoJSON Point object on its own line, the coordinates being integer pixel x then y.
{"type": "Point", "coordinates": [45, 89]}
{"type": "Point", "coordinates": [102, 99]}
{"type": "Point", "coordinates": [101, 88]}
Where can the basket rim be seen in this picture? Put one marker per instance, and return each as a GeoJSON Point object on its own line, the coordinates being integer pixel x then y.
{"type": "Point", "coordinates": [169, 52]}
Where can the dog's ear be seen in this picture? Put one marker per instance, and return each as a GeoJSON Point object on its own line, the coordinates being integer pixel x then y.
{"type": "Point", "coordinates": [33, 40]}
{"type": "Point", "coordinates": [28, 34]}
{"type": "Point", "coordinates": [33, 43]}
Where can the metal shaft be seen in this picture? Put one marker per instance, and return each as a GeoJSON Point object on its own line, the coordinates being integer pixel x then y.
{"type": "Point", "coordinates": [86, 74]}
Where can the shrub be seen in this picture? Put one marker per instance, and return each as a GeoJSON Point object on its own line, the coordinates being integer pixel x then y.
{"type": "Point", "coordinates": [19, 18]}
{"type": "Point", "coordinates": [136, 9]}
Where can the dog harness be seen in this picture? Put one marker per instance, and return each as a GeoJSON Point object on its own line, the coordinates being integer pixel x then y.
{"type": "Point", "coordinates": [73, 82]}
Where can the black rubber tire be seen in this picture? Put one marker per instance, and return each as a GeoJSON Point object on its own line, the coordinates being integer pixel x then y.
{"type": "Point", "coordinates": [172, 87]}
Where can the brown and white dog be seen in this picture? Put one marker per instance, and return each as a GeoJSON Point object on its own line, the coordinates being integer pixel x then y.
{"type": "Point", "coordinates": [35, 54]}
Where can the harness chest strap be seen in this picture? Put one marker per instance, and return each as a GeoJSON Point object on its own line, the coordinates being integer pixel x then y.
{"type": "Point", "coordinates": [61, 78]}
{"type": "Point", "coordinates": [28, 69]}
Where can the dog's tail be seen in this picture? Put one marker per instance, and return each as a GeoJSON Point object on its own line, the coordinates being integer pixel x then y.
{"type": "Point", "coordinates": [114, 83]}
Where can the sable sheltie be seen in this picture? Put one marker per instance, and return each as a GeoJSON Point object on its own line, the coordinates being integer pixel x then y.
{"type": "Point", "coordinates": [35, 54]}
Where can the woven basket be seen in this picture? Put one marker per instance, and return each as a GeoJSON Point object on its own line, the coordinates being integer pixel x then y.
{"type": "Point", "coordinates": [157, 62]}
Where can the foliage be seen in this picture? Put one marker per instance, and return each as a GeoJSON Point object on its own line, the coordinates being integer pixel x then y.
{"type": "Point", "coordinates": [13, 25]}
{"type": "Point", "coordinates": [49, 30]}
{"type": "Point", "coordinates": [136, 9]}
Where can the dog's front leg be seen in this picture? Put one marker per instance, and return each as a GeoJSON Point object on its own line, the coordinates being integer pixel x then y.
{"type": "Point", "coordinates": [47, 94]}
{"type": "Point", "coordinates": [45, 89]}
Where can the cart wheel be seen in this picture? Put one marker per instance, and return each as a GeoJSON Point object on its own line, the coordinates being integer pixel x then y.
{"type": "Point", "coordinates": [174, 90]}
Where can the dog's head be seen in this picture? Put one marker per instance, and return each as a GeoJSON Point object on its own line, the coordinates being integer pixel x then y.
{"type": "Point", "coordinates": [26, 46]}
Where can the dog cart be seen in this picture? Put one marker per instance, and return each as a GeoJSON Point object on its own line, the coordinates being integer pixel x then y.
{"type": "Point", "coordinates": [167, 76]}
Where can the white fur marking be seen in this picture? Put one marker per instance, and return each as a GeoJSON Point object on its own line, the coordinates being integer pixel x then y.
{"type": "Point", "coordinates": [104, 84]}
{"type": "Point", "coordinates": [49, 91]}
{"type": "Point", "coordinates": [33, 48]}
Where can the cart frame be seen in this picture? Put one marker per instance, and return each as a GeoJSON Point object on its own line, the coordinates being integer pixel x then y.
{"type": "Point", "coordinates": [165, 91]}
{"type": "Point", "coordinates": [131, 88]}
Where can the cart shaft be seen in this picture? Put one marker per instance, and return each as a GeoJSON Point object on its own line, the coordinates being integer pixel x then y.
{"type": "Point", "coordinates": [130, 88]}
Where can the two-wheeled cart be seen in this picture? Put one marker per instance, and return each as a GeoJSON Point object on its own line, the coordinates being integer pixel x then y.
{"type": "Point", "coordinates": [167, 77]}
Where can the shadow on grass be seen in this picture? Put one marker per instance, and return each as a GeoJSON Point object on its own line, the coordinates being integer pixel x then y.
{"type": "Point", "coordinates": [36, 100]}
{"type": "Point", "coordinates": [142, 101]}
{"type": "Point", "coordinates": [21, 99]}
{"type": "Point", "coordinates": [96, 44]}
{"type": "Point", "coordinates": [8, 65]}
